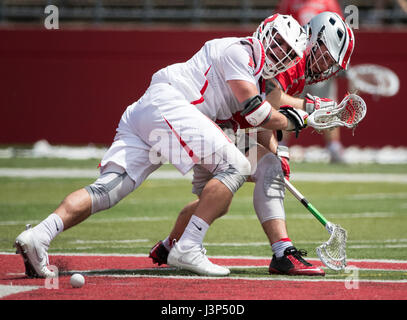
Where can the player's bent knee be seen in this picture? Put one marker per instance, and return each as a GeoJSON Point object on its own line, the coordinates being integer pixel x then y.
{"type": "Point", "coordinates": [228, 165]}
{"type": "Point", "coordinates": [233, 175]}
{"type": "Point", "coordinates": [109, 189]}
{"type": "Point", "coordinates": [269, 168]}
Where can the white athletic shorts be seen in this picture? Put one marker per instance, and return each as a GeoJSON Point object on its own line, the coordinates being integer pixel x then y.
{"type": "Point", "coordinates": [162, 125]}
{"type": "Point", "coordinates": [243, 141]}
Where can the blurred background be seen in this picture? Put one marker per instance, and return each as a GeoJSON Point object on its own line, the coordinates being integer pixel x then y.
{"type": "Point", "coordinates": [70, 85]}
{"type": "Point", "coordinates": [243, 12]}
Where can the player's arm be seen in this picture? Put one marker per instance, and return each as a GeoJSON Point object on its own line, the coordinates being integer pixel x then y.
{"type": "Point", "coordinates": [277, 98]}
{"type": "Point", "coordinates": [256, 111]}
{"type": "Point", "coordinates": [268, 140]}
{"type": "Point", "coordinates": [259, 112]}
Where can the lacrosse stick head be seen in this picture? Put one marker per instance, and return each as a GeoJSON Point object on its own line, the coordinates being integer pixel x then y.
{"type": "Point", "coordinates": [333, 252]}
{"type": "Point", "coordinates": [348, 114]}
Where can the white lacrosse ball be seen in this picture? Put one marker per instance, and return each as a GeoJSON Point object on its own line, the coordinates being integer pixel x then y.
{"type": "Point", "coordinates": [77, 280]}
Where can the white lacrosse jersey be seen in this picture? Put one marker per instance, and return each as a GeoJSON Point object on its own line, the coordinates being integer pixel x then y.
{"type": "Point", "coordinates": [203, 78]}
{"type": "Point", "coordinates": [176, 115]}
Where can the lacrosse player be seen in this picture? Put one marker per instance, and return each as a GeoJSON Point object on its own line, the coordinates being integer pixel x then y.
{"type": "Point", "coordinates": [326, 54]}
{"type": "Point", "coordinates": [303, 11]}
{"type": "Point", "coordinates": [175, 120]}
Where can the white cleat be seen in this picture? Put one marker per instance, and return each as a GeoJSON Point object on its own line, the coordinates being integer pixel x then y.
{"type": "Point", "coordinates": [195, 260]}
{"type": "Point", "coordinates": [34, 254]}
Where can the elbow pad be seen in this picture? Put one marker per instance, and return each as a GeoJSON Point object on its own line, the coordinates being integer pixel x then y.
{"type": "Point", "coordinates": [256, 111]}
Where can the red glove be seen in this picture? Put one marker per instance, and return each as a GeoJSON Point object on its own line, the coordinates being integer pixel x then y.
{"type": "Point", "coordinates": [283, 154]}
{"type": "Point", "coordinates": [285, 165]}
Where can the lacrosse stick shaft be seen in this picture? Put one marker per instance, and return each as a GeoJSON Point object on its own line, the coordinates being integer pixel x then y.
{"type": "Point", "coordinates": [305, 202]}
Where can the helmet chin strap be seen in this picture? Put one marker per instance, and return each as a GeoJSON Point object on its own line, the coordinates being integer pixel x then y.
{"type": "Point", "coordinates": [312, 79]}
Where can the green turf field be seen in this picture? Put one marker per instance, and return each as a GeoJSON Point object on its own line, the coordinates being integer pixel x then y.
{"type": "Point", "coordinates": [374, 214]}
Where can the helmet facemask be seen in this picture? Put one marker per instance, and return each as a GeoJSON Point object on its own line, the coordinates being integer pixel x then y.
{"type": "Point", "coordinates": [283, 40]}
{"type": "Point", "coordinates": [320, 63]}
{"type": "Point", "coordinates": [279, 55]}
{"type": "Point", "coordinates": [330, 40]}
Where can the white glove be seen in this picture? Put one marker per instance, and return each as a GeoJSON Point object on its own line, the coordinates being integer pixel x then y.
{"type": "Point", "coordinates": [313, 103]}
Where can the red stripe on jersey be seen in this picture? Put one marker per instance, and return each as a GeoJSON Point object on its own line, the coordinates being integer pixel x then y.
{"type": "Point", "coordinates": [199, 101]}
{"type": "Point", "coordinates": [205, 86]}
{"type": "Point", "coordinates": [263, 58]}
{"type": "Point", "coordinates": [219, 128]}
{"type": "Point", "coordinates": [189, 151]}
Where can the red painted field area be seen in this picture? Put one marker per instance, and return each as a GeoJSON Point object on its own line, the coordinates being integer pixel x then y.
{"type": "Point", "coordinates": [120, 281]}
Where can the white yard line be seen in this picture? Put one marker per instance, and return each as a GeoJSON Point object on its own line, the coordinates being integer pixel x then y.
{"type": "Point", "coordinates": [280, 278]}
{"type": "Point", "coordinates": [10, 289]}
{"type": "Point", "coordinates": [377, 196]}
{"type": "Point", "coordinates": [349, 177]}
{"type": "Point", "coordinates": [107, 241]}
{"type": "Point", "coordinates": [79, 173]}
{"type": "Point", "coordinates": [143, 243]}
{"type": "Point", "coordinates": [172, 174]}
{"type": "Point", "coordinates": [306, 216]}
{"type": "Point", "coordinates": [215, 257]}
{"type": "Point", "coordinates": [6, 290]}
{"type": "Point", "coordinates": [383, 246]}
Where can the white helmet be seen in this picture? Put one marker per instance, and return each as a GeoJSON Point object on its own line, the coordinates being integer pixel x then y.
{"type": "Point", "coordinates": [331, 30]}
{"type": "Point", "coordinates": [291, 32]}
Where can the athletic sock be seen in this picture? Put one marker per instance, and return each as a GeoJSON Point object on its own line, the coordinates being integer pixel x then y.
{"type": "Point", "coordinates": [279, 246]}
{"type": "Point", "coordinates": [49, 228]}
{"type": "Point", "coordinates": [167, 243]}
{"type": "Point", "coordinates": [194, 233]}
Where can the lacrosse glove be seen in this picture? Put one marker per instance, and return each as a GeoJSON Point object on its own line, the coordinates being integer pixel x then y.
{"type": "Point", "coordinates": [284, 155]}
{"type": "Point", "coordinates": [313, 103]}
{"type": "Point", "coordinates": [297, 119]}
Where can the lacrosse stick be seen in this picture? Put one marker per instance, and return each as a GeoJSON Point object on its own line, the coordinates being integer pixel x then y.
{"type": "Point", "coordinates": [348, 113]}
{"type": "Point", "coordinates": [373, 79]}
{"type": "Point", "coordinates": [333, 252]}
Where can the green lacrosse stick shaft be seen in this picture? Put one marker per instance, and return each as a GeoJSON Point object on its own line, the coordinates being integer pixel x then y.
{"type": "Point", "coordinates": [305, 202]}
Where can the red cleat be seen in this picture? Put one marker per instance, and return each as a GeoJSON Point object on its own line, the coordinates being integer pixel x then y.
{"type": "Point", "coordinates": [293, 264]}
{"type": "Point", "coordinates": [159, 253]}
